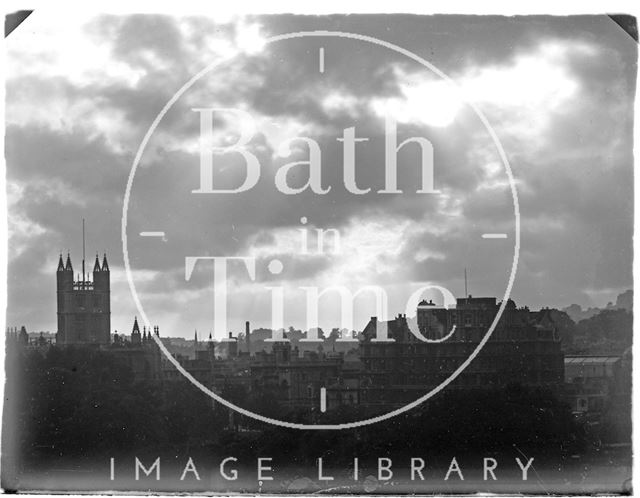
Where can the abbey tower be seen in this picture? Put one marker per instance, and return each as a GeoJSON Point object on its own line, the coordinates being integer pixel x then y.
{"type": "Point", "coordinates": [84, 306]}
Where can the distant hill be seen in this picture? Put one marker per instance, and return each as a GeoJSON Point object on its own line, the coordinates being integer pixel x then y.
{"type": "Point", "coordinates": [607, 330]}
{"type": "Point", "coordinates": [624, 301]}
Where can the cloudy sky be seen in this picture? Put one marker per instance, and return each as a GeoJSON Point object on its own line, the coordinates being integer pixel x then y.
{"type": "Point", "coordinates": [83, 91]}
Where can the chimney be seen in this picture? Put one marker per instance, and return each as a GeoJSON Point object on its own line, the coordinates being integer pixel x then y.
{"type": "Point", "coordinates": [247, 332]}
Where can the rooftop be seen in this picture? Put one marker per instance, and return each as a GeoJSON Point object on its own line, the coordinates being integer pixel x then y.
{"type": "Point", "coordinates": [599, 360]}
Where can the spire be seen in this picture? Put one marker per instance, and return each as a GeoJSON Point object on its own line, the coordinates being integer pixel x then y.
{"type": "Point", "coordinates": [60, 264]}
{"type": "Point", "coordinates": [68, 266]}
{"type": "Point", "coordinates": [144, 333]}
{"type": "Point", "coordinates": [196, 337]}
{"type": "Point", "coordinates": [83, 271]}
{"type": "Point", "coordinates": [96, 266]}
{"type": "Point", "coordinates": [466, 291]}
{"type": "Point", "coordinates": [105, 265]}
{"type": "Point", "coordinates": [136, 327]}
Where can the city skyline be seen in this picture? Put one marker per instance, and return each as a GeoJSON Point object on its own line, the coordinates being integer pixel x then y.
{"type": "Point", "coordinates": [569, 143]}
{"type": "Point", "coordinates": [622, 301]}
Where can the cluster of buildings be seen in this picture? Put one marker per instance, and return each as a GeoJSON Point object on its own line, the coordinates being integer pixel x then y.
{"type": "Point", "coordinates": [524, 348]}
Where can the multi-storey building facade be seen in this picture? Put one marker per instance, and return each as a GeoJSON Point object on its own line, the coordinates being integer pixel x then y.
{"type": "Point", "coordinates": [295, 379]}
{"type": "Point", "coordinates": [592, 382]}
{"type": "Point", "coordinates": [524, 348]}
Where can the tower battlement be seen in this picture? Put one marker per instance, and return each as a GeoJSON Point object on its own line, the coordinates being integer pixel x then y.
{"type": "Point", "coordinates": [84, 305]}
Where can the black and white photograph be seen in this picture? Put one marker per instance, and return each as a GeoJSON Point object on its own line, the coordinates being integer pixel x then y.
{"type": "Point", "coordinates": [340, 253]}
